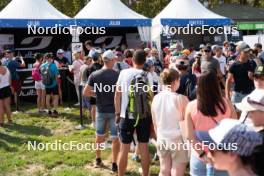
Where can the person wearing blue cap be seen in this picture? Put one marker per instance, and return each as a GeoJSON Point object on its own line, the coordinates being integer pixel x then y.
{"type": "Point", "coordinates": [230, 147]}
{"type": "Point", "coordinates": [253, 105]}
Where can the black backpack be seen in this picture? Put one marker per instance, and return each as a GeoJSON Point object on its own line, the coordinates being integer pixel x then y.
{"type": "Point", "coordinates": [190, 84]}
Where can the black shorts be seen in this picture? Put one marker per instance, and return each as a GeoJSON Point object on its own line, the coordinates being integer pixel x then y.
{"type": "Point", "coordinates": [5, 92]}
{"type": "Point", "coordinates": [127, 130]}
{"type": "Point", "coordinates": [53, 90]}
{"type": "Point", "coordinates": [92, 101]}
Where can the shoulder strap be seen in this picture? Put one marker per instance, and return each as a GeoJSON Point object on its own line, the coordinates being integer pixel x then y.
{"type": "Point", "coordinates": [213, 119]}
{"type": "Point", "coordinates": [119, 66]}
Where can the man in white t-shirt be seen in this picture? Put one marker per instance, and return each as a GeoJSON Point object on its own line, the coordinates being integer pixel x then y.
{"type": "Point", "coordinates": [221, 59]}
{"type": "Point", "coordinates": [126, 121]}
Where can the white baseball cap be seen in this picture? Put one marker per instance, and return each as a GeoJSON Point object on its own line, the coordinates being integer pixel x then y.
{"type": "Point", "coordinates": [109, 55]}
{"type": "Point", "coordinates": [252, 102]}
{"type": "Point", "coordinates": [241, 44]}
{"type": "Point", "coordinates": [60, 51]}
{"type": "Point", "coordinates": [231, 132]}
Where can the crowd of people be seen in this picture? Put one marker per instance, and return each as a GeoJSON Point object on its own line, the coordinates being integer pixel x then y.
{"type": "Point", "coordinates": [210, 97]}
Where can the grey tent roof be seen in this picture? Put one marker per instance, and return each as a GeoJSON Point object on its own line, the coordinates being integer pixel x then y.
{"type": "Point", "coordinates": [239, 12]}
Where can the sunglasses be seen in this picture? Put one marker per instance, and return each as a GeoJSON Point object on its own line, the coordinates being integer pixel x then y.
{"type": "Point", "coordinates": [261, 77]}
{"type": "Point", "coordinates": [207, 51]}
{"type": "Point", "coordinates": [182, 67]}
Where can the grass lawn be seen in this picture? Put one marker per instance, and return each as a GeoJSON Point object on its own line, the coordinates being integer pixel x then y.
{"type": "Point", "coordinates": [17, 159]}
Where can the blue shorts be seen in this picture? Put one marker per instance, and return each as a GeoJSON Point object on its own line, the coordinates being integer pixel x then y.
{"type": "Point", "coordinates": [142, 129]}
{"type": "Point", "coordinates": [104, 119]}
{"type": "Point", "coordinates": [86, 102]}
{"type": "Point", "coordinates": [199, 168]}
{"type": "Point", "coordinates": [237, 97]}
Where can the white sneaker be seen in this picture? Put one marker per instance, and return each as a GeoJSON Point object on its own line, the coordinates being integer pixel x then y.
{"type": "Point", "coordinates": [93, 125]}
{"type": "Point", "coordinates": [77, 104]}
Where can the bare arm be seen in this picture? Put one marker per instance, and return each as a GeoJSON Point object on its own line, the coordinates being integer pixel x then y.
{"type": "Point", "coordinates": [251, 75]}
{"type": "Point", "coordinates": [229, 80]}
{"type": "Point", "coordinates": [188, 125]}
{"type": "Point", "coordinates": [232, 108]}
{"type": "Point", "coordinates": [189, 132]}
{"type": "Point", "coordinates": [154, 121]}
{"type": "Point", "coordinates": [117, 102]}
{"type": "Point", "coordinates": [22, 62]}
{"type": "Point", "coordinates": [88, 91]}
{"type": "Point", "coordinates": [183, 104]}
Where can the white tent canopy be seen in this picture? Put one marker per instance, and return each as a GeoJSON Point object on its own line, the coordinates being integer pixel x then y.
{"type": "Point", "coordinates": [21, 11]}
{"type": "Point", "coordinates": [107, 9]}
{"type": "Point", "coordinates": [182, 13]}
{"type": "Point", "coordinates": [113, 13]}
{"type": "Point", "coordinates": [187, 10]}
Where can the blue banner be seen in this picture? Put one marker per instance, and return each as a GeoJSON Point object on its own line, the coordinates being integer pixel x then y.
{"type": "Point", "coordinates": [24, 23]}
{"type": "Point", "coordinates": [196, 22]}
{"type": "Point", "coordinates": [113, 22]}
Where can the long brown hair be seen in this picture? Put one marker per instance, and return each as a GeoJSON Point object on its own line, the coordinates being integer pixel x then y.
{"type": "Point", "coordinates": [209, 96]}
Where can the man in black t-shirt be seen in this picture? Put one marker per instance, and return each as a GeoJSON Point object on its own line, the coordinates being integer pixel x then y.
{"type": "Point", "coordinates": [241, 73]}
{"type": "Point", "coordinates": [94, 67]}
{"type": "Point", "coordinates": [101, 84]}
{"type": "Point", "coordinates": [253, 104]}
{"type": "Point", "coordinates": [187, 79]}
{"type": "Point", "coordinates": [61, 59]}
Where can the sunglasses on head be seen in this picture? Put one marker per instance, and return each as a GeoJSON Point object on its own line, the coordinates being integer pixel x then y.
{"type": "Point", "coordinates": [259, 77]}
{"type": "Point", "coordinates": [182, 67]}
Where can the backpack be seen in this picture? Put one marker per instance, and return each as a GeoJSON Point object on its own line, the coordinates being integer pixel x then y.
{"type": "Point", "coordinates": [119, 67]}
{"type": "Point", "coordinates": [36, 74]}
{"type": "Point", "coordinates": [190, 87]}
{"type": "Point", "coordinates": [139, 97]}
{"type": "Point", "coordinates": [46, 75]}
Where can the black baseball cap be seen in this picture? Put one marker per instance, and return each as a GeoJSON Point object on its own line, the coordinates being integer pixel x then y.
{"type": "Point", "coordinates": [259, 71]}
{"type": "Point", "coordinates": [49, 55]}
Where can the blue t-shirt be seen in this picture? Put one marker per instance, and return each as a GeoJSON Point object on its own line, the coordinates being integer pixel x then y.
{"type": "Point", "coordinates": [54, 71]}
{"type": "Point", "coordinates": [12, 66]}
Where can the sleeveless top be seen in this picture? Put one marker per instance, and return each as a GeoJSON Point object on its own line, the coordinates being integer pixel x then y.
{"type": "Point", "coordinates": [167, 107]}
{"type": "Point", "coordinates": [4, 79]}
{"type": "Point", "coordinates": [205, 123]}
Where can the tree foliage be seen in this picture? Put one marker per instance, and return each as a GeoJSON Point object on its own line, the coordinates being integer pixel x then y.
{"type": "Point", "coordinates": [149, 8]}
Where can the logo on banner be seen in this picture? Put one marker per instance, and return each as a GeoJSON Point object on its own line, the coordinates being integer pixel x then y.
{"type": "Point", "coordinates": [45, 41]}
{"type": "Point", "coordinates": [115, 23]}
{"type": "Point", "coordinates": [28, 88]}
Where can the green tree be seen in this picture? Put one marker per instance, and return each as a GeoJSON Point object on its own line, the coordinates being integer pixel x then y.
{"type": "Point", "coordinates": [3, 3]}
{"type": "Point", "coordinates": [148, 8]}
